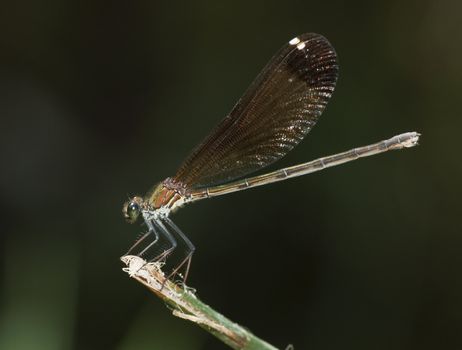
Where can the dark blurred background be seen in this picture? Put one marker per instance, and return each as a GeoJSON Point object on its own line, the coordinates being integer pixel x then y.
{"type": "Point", "coordinates": [100, 100]}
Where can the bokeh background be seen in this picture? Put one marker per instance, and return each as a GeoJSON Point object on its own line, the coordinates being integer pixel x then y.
{"type": "Point", "coordinates": [100, 100]}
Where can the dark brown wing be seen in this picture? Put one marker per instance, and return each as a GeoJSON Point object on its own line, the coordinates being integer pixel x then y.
{"type": "Point", "coordinates": [276, 112]}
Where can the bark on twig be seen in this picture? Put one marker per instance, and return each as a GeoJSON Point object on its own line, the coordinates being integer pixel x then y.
{"type": "Point", "coordinates": [187, 306]}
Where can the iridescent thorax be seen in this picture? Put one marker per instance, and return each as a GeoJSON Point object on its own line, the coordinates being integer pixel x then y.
{"type": "Point", "coordinates": [166, 197]}
{"type": "Point", "coordinates": [168, 194]}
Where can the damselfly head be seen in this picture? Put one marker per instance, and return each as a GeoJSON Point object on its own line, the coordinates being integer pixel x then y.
{"type": "Point", "coordinates": [132, 209]}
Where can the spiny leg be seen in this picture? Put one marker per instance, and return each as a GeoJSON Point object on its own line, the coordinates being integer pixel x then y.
{"type": "Point", "coordinates": [191, 249]}
{"type": "Point", "coordinates": [163, 230]}
{"type": "Point", "coordinates": [151, 229]}
{"type": "Point", "coordinates": [142, 238]}
{"type": "Point", "coordinates": [166, 253]}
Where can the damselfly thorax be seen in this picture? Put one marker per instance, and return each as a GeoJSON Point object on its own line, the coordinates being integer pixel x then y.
{"type": "Point", "coordinates": [165, 197]}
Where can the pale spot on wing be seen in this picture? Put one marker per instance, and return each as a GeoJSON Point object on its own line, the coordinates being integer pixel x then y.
{"type": "Point", "coordinates": [294, 41]}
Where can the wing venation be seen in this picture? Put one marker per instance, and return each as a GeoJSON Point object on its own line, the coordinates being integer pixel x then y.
{"type": "Point", "coordinates": [276, 112]}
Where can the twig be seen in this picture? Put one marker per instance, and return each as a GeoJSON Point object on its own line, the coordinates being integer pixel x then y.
{"type": "Point", "coordinates": [187, 306]}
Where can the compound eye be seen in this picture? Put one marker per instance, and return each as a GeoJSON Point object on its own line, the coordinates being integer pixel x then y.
{"type": "Point", "coordinates": [133, 210]}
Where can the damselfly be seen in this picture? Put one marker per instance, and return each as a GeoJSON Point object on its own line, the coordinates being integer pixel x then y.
{"type": "Point", "coordinates": [277, 111]}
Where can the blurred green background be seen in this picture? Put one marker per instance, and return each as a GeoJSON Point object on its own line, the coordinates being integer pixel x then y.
{"type": "Point", "coordinates": [100, 100]}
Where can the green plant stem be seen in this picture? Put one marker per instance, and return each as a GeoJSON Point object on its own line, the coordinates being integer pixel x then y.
{"type": "Point", "coordinates": [187, 306]}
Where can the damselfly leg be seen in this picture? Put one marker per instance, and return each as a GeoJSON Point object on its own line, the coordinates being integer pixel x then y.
{"type": "Point", "coordinates": [190, 249]}
{"type": "Point", "coordinates": [142, 238]}
{"type": "Point", "coordinates": [164, 231]}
